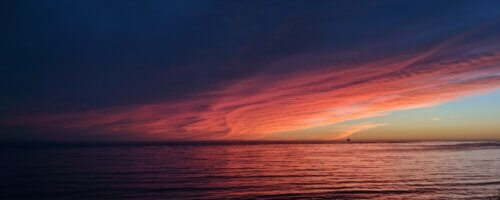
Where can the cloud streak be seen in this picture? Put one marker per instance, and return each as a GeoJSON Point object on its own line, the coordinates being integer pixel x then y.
{"type": "Point", "coordinates": [347, 132]}
{"type": "Point", "coordinates": [329, 92]}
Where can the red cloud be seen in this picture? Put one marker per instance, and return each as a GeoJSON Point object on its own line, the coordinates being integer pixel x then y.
{"type": "Point", "coordinates": [264, 104]}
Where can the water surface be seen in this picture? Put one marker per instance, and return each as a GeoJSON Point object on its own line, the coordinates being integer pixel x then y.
{"type": "Point", "coordinates": [422, 170]}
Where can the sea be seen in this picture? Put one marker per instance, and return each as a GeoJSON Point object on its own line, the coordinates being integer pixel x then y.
{"type": "Point", "coordinates": [252, 170]}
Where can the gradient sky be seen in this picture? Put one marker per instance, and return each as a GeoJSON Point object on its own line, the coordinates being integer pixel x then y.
{"type": "Point", "coordinates": [229, 70]}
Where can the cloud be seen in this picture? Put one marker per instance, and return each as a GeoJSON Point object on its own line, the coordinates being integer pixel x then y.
{"type": "Point", "coordinates": [329, 92]}
{"type": "Point", "coordinates": [348, 131]}
{"type": "Point", "coordinates": [335, 132]}
{"type": "Point", "coordinates": [435, 118]}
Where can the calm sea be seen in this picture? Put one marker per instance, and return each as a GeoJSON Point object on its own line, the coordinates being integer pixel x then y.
{"type": "Point", "coordinates": [423, 170]}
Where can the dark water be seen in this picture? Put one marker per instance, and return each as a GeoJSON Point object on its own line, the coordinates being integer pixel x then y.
{"type": "Point", "coordinates": [437, 170]}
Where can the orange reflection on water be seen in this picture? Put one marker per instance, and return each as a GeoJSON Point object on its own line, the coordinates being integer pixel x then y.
{"type": "Point", "coordinates": [258, 170]}
{"type": "Point", "coordinates": [339, 170]}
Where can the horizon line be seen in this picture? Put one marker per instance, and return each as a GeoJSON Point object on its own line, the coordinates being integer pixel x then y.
{"type": "Point", "coordinates": [206, 142]}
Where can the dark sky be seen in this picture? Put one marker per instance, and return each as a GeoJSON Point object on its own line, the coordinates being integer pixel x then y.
{"type": "Point", "coordinates": [69, 58]}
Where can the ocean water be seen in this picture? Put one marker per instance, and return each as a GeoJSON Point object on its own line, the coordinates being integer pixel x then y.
{"type": "Point", "coordinates": [421, 170]}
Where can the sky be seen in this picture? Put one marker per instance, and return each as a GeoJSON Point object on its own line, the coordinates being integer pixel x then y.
{"type": "Point", "coordinates": [249, 70]}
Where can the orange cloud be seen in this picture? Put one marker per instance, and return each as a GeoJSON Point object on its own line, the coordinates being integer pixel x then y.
{"type": "Point", "coordinates": [268, 103]}
{"type": "Point", "coordinates": [353, 129]}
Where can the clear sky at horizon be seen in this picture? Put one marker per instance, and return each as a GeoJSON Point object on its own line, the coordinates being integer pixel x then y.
{"type": "Point", "coordinates": [474, 117]}
{"type": "Point", "coordinates": [471, 118]}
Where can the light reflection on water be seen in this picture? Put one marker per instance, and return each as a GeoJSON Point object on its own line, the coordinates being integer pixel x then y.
{"type": "Point", "coordinates": [217, 171]}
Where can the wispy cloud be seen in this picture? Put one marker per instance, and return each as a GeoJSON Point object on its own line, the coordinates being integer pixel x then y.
{"type": "Point", "coordinates": [348, 131]}
{"type": "Point", "coordinates": [268, 103]}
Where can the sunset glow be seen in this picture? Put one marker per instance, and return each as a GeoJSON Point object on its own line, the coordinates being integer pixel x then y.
{"type": "Point", "coordinates": [264, 104]}
{"type": "Point", "coordinates": [271, 92]}
{"type": "Point", "coordinates": [261, 99]}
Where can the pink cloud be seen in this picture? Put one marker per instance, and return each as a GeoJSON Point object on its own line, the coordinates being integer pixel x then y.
{"type": "Point", "coordinates": [268, 103]}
